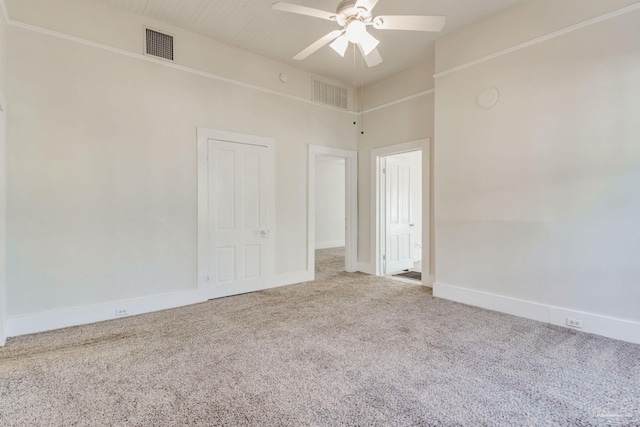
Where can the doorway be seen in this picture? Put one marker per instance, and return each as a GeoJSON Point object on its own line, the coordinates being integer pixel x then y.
{"type": "Point", "coordinates": [332, 209]}
{"type": "Point", "coordinates": [330, 216]}
{"type": "Point", "coordinates": [400, 207]}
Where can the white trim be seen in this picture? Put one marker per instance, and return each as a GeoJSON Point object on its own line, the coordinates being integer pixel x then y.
{"type": "Point", "coordinates": [398, 101]}
{"type": "Point", "coordinates": [540, 39]}
{"type": "Point", "coordinates": [331, 244]}
{"type": "Point", "coordinates": [166, 63]}
{"type": "Point", "coordinates": [611, 327]}
{"type": "Point", "coordinates": [375, 249]}
{"type": "Point", "coordinates": [351, 204]}
{"type": "Point", "coordinates": [91, 313]}
{"type": "Point", "coordinates": [3, 218]}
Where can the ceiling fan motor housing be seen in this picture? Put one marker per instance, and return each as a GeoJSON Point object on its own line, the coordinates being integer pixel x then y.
{"type": "Point", "coordinates": [347, 12]}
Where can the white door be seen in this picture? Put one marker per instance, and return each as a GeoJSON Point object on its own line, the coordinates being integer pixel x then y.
{"type": "Point", "coordinates": [241, 199]}
{"type": "Point", "coordinates": [399, 241]}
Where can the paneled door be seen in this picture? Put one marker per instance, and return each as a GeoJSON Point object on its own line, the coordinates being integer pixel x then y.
{"type": "Point", "coordinates": [399, 240]}
{"type": "Point", "coordinates": [241, 199]}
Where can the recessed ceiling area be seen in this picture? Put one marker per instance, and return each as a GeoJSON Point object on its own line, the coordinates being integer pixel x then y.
{"type": "Point", "coordinates": [253, 26]}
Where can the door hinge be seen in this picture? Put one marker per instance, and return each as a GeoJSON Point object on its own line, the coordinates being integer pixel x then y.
{"type": "Point", "coordinates": [384, 170]}
{"type": "Point", "coordinates": [384, 257]}
{"type": "Point", "coordinates": [208, 278]}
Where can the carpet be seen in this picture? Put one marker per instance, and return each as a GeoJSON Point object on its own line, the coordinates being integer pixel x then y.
{"type": "Point", "coordinates": [349, 349]}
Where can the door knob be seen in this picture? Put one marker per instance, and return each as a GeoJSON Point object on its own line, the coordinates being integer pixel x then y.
{"type": "Point", "coordinates": [264, 234]}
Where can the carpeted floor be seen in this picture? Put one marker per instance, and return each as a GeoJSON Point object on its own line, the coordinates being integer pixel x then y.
{"type": "Point", "coordinates": [329, 262]}
{"type": "Point", "coordinates": [348, 349]}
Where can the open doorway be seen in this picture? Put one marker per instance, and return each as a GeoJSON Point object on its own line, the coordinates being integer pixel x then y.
{"type": "Point", "coordinates": [400, 186]}
{"type": "Point", "coordinates": [332, 211]}
{"type": "Point", "coordinates": [330, 215]}
{"type": "Point", "coordinates": [401, 214]}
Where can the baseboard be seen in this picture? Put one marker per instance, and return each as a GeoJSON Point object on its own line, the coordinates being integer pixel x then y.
{"type": "Point", "coordinates": [91, 313]}
{"type": "Point", "coordinates": [329, 245]}
{"type": "Point", "coordinates": [611, 327]}
{"type": "Point", "coordinates": [367, 268]}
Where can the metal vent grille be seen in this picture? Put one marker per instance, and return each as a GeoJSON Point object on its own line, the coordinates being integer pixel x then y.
{"type": "Point", "coordinates": [329, 94]}
{"type": "Point", "coordinates": [159, 44]}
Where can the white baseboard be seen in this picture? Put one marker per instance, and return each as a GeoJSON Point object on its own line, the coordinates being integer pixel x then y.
{"type": "Point", "coordinates": [611, 327]}
{"type": "Point", "coordinates": [91, 313]}
{"type": "Point", "coordinates": [365, 267]}
{"type": "Point", "coordinates": [329, 245]}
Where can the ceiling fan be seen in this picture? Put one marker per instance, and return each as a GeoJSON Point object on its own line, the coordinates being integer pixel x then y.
{"type": "Point", "coordinates": [354, 16]}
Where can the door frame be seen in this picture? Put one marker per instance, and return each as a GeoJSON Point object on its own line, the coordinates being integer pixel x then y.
{"type": "Point", "coordinates": [203, 137]}
{"type": "Point", "coordinates": [351, 205]}
{"type": "Point", "coordinates": [376, 189]}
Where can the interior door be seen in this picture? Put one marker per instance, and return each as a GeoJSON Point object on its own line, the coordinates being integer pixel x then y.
{"type": "Point", "coordinates": [241, 200]}
{"type": "Point", "coordinates": [398, 236]}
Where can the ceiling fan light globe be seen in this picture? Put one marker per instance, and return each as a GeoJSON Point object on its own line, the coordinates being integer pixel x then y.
{"type": "Point", "coordinates": [356, 30]}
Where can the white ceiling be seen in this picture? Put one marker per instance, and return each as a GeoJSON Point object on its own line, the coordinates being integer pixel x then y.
{"type": "Point", "coordinates": [253, 26]}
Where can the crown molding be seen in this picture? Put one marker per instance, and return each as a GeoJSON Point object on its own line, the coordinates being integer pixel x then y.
{"type": "Point", "coordinates": [164, 63]}
{"type": "Point", "coordinates": [398, 101]}
{"type": "Point", "coordinates": [549, 36]}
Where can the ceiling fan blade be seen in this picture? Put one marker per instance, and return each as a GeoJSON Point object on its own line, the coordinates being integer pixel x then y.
{"type": "Point", "coordinates": [411, 23]}
{"type": "Point", "coordinates": [318, 44]}
{"type": "Point", "coordinates": [373, 58]}
{"type": "Point", "coordinates": [367, 4]}
{"type": "Point", "coordinates": [303, 10]}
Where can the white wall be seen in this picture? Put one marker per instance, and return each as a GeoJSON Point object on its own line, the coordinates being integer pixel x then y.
{"type": "Point", "coordinates": [538, 199]}
{"type": "Point", "coordinates": [102, 153]}
{"type": "Point", "coordinates": [397, 109]}
{"type": "Point", "coordinates": [330, 202]}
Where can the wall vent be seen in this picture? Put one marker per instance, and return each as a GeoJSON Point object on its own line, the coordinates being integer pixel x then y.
{"type": "Point", "coordinates": [159, 44]}
{"type": "Point", "coordinates": [330, 94]}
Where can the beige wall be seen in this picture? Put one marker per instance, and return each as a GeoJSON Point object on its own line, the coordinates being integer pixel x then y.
{"type": "Point", "coordinates": [538, 199]}
{"type": "Point", "coordinates": [390, 123]}
{"type": "Point", "coordinates": [3, 185]}
{"type": "Point", "coordinates": [102, 154]}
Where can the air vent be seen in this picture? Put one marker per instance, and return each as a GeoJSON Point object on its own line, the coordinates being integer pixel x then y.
{"type": "Point", "coordinates": [329, 94]}
{"type": "Point", "coordinates": [159, 44]}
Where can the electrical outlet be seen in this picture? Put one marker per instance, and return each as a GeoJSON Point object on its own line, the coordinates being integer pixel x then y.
{"type": "Point", "coordinates": [121, 312]}
{"type": "Point", "coordinates": [574, 323]}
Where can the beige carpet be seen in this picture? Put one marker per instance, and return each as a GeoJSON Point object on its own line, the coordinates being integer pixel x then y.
{"type": "Point", "coordinates": [346, 350]}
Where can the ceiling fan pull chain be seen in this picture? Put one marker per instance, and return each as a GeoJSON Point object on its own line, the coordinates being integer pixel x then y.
{"type": "Point", "coordinates": [355, 90]}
